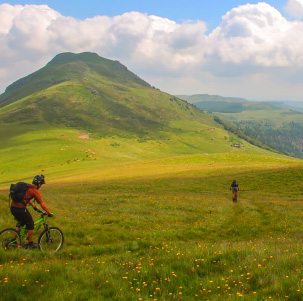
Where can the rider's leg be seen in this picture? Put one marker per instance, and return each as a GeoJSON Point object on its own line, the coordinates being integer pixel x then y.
{"type": "Point", "coordinates": [30, 229]}
{"type": "Point", "coordinates": [30, 235]}
{"type": "Point", "coordinates": [18, 230]}
{"type": "Point", "coordinates": [236, 197]}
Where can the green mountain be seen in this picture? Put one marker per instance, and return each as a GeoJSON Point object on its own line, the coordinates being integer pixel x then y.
{"type": "Point", "coordinates": [81, 110]}
{"type": "Point", "coordinates": [67, 67]}
{"type": "Point", "coordinates": [91, 93]}
{"type": "Point", "coordinates": [278, 124]}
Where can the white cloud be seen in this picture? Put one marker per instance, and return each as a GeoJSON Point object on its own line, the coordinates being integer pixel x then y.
{"type": "Point", "coordinates": [301, 2]}
{"type": "Point", "coordinates": [294, 8]}
{"type": "Point", "coordinates": [251, 42]}
{"type": "Point", "coordinates": [258, 35]}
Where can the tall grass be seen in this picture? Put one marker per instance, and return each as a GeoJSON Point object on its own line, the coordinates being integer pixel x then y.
{"type": "Point", "coordinates": [168, 230]}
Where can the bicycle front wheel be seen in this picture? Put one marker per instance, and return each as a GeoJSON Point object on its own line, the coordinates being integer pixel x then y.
{"type": "Point", "coordinates": [51, 240]}
{"type": "Point", "coordinates": [10, 239]}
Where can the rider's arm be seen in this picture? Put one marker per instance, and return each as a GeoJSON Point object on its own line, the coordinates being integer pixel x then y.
{"type": "Point", "coordinates": [38, 198]}
{"type": "Point", "coordinates": [45, 208]}
{"type": "Point", "coordinates": [35, 207]}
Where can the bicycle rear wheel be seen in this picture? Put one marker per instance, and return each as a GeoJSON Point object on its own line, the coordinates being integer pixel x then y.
{"type": "Point", "coordinates": [10, 239]}
{"type": "Point", "coordinates": [51, 240]}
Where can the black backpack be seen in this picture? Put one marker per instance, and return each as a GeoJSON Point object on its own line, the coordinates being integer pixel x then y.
{"type": "Point", "coordinates": [17, 192]}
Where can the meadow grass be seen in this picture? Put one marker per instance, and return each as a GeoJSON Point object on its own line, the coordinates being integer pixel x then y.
{"type": "Point", "coordinates": [166, 229]}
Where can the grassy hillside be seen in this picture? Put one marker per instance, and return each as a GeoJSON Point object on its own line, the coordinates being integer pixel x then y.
{"type": "Point", "coordinates": [60, 152]}
{"type": "Point", "coordinates": [167, 229]}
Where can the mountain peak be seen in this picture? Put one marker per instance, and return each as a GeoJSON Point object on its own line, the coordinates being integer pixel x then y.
{"type": "Point", "coordinates": [69, 66]}
{"type": "Point", "coordinates": [67, 57]}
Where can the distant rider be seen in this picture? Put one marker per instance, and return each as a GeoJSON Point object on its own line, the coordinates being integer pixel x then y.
{"type": "Point", "coordinates": [23, 216]}
{"type": "Point", "coordinates": [234, 187]}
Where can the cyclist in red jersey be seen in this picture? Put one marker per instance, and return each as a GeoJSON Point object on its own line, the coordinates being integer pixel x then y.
{"type": "Point", "coordinates": [22, 215]}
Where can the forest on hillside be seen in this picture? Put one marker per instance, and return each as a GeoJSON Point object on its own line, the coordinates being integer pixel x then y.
{"type": "Point", "coordinates": [288, 138]}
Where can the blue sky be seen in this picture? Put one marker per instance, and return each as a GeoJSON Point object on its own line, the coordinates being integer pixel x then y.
{"type": "Point", "coordinates": [230, 48]}
{"type": "Point", "coordinates": [177, 10]}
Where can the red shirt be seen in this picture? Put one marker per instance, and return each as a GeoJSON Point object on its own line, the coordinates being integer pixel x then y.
{"type": "Point", "coordinates": [31, 193]}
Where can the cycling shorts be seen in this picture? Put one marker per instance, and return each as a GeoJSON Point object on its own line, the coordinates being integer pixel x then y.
{"type": "Point", "coordinates": [23, 217]}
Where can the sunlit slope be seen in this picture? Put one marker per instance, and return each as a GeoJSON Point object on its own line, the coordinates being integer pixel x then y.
{"type": "Point", "coordinates": [62, 156]}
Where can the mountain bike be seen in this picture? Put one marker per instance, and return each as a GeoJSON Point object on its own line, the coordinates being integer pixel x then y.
{"type": "Point", "coordinates": [51, 239]}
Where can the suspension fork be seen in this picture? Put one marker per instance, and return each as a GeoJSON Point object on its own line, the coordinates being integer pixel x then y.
{"type": "Point", "coordinates": [49, 238]}
{"type": "Point", "coordinates": [45, 225]}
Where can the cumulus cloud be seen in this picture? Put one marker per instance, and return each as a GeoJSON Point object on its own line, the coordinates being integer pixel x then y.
{"type": "Point", "coordinates": [251, 42]}
{"type": "Point", "coordinates": [258, 35]}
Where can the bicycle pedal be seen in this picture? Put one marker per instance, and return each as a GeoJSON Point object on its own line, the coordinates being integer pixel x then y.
{"type": "Point", "coordinates": [24, 245]}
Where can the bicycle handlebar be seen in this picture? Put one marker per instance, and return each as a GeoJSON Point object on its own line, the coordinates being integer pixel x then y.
{"type": "Point", "coordinates": [42, 213]}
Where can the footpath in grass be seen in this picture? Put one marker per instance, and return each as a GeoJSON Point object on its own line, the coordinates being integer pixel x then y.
{"type": "Point", "coordinates": [167, 236]}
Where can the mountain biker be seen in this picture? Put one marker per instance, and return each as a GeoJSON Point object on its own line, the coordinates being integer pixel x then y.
{"type": "Point", "coordinates": [23, 216]}
{"type": "Point", "coordinates": [234, 187]}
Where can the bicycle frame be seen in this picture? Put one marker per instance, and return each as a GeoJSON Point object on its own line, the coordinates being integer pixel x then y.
{"type": "Point", "coordinates": [50, 239]}
{"type": "Point", "coordinates": [41, 221]}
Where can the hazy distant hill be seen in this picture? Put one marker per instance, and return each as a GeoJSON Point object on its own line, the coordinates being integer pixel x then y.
{"type": "Point", "coordinates": [294, 105]}
{"type": "Point", "coordinates": [220, 104]}
{"type": "Point", "coordinates": [278, 124]}
{"type": "Point", "coordinates": [206, 97]}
